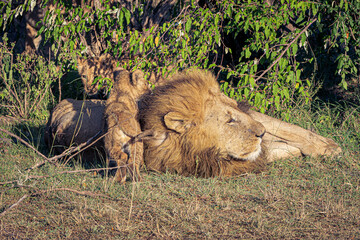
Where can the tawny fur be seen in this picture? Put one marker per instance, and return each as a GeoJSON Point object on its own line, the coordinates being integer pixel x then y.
{"type": "Point", "coordinates": [73, 122]}
{"type": "Point", "coordinates": [198, 131]}
{"type": "Point", "coordinates": [121, 123]}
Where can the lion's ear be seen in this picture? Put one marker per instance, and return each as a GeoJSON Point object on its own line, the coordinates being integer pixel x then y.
{"type": "Point", "coordinates": [176, 122]}
{"type": "Point", "coordinates": [137, 77]}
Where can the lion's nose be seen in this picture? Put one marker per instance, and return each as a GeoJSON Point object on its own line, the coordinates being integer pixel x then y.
{"type": "Point", "coordinates": [258, 129]}
{"type": "Point", "coordinates": [261, 134]}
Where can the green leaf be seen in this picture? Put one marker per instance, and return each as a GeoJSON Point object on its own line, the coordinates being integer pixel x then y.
{"type": "Point", "coordinates": [252, 81]}
{"type": "Point", "coordinates": [229, 75]}
{"type": "Point", "coordinates": [188, 25]}
{"type": "Point", "coordinates": [344, 84]}
{"type": "Point", "coordinates": [217, 39]}
{"type": "Point", "coordinates": [231, 94]}
{"type": "Point", "coordinates": [258, 98]}
{"type": "Point", "coordinates": [246, 92]}
{"type": "Point", "coordinates": [247, 53]}
{"type": "Point", "coordinates": [277, 102]}
{"type": "Point", "coordinates": [127, 15]}
{"type": "Point", "coordinates": [275, 89]}
{"type": "Point", "coordinates": [286, 93]}
{"type": "Point", "coordinates": [294, 49]}
{"type": "Point", "coordinates": [216, 20]}
{"type": "Point", "coordinates": [267, 32]}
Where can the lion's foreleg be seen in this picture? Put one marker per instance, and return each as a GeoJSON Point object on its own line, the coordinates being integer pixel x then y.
{"type": "Point", "coordinates": [120, 175]}
{"type": "Point", "coordinates": [114, 142]}
{"type": "Point", "coordinates": [135, 161]}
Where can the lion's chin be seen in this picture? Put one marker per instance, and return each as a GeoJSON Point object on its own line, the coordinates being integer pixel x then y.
{"type": "Point", "coordinates": [254, 155]}
{"type": "Point", "coordinates": [250, 156]}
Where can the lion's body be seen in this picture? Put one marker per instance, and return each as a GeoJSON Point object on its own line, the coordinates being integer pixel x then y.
{"type": "Point", "coordinates": [197, 131]}
{"type": "Point", "coordinates": [121, 123]}
{"type": "Point", "coordinates": [73, 122]}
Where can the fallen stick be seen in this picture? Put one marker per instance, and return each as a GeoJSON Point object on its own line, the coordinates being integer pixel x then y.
{"type": "Point", "coordinates": [68, 151]}
{"type": "Point", "coordinates": [82, 193]}
{"type": "Point", "coordinates": [24, 142]}
{"type": "Point", "coordinates": [64, 172]}
{"type": "Point", "coordinates": [14, 205]}
{"type": "Point", "coordinates": [53, 159]}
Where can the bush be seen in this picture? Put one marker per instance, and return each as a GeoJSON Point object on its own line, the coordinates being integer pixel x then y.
{"type": "Point", "coordinates": [274, 54]}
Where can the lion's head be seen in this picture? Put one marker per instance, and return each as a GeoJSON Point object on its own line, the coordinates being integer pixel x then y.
{"type": "Point", "coordinates": [196, 130]}
{"type": "Point", "coordinates": [94, 70]}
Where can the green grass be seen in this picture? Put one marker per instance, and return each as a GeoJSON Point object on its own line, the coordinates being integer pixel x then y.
{"type": "Point", "coordinates": [293, 199]}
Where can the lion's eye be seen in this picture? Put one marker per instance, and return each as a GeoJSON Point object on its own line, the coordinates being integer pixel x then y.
{"type": "Point", "coordinates": [231, 120]}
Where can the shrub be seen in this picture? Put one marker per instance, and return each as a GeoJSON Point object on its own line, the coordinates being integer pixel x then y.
{"type": "Point", "coordinates": [26, 80]}
{"type": "Point", "coordinates": [266, 52]}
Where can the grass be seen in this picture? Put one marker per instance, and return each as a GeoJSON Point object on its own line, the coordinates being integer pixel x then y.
{"type": "Point", "coordinates": [293, 199]}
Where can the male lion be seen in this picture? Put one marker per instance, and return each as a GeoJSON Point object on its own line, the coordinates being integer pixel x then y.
{"type": "Point", "coordinates": [121, 124]}
{"type": "Point", "coordinates": [198, 131]}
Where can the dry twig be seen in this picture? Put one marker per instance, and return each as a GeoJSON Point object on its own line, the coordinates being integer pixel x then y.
{"type": "Point", "coordinates": [14, 205]}
{"type": "Point", "coordinates": [24, 142]}
{"type": "Point", "coordinates": [71, 150]}
{"type": "Point", "coordinates": [64, 172]}
{"type": "Point", "coordinates": [40, 192]}
{"type": "Point", "coordinates": [77, 150]}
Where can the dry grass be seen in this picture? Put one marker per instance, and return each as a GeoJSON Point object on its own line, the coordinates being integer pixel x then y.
{"type": "Point", "coordinates": [294, 199]}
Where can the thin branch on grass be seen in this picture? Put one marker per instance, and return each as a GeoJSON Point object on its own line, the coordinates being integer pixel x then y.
{"type": "Point", "coordinates": [94, 169]}
{"type": "Point", "coordinates": [14, 119]}
{"type": "Point", "coordinates": [24, 142]}
{"type": "Point", "coordinates": [287, 47]}
{"type": "Point", "coordinates": [75, 150]}
{"type": "Point", "coordinates": [71, 150]}
{"type": "Point", "coordinates": [82, 193]}
{"type": "Point", "coordinates": [14, 205]}
{"type": "Point", "coordinates": [29, 177]}
{"type": "Point", "coordinates": [64, 172]}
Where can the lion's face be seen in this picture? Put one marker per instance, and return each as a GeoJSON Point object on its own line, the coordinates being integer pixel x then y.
{"type": "Point", "coordinates": [235, 133]}
{"type": "Point", "coordinates": [224, 127]}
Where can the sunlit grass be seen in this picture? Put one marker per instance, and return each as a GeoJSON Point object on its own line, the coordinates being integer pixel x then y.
{"type": "Point", "coordinates": [292, 199]}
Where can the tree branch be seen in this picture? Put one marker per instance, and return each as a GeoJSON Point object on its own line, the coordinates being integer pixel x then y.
{"type": "Point", "coordinates": [287, 47]}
